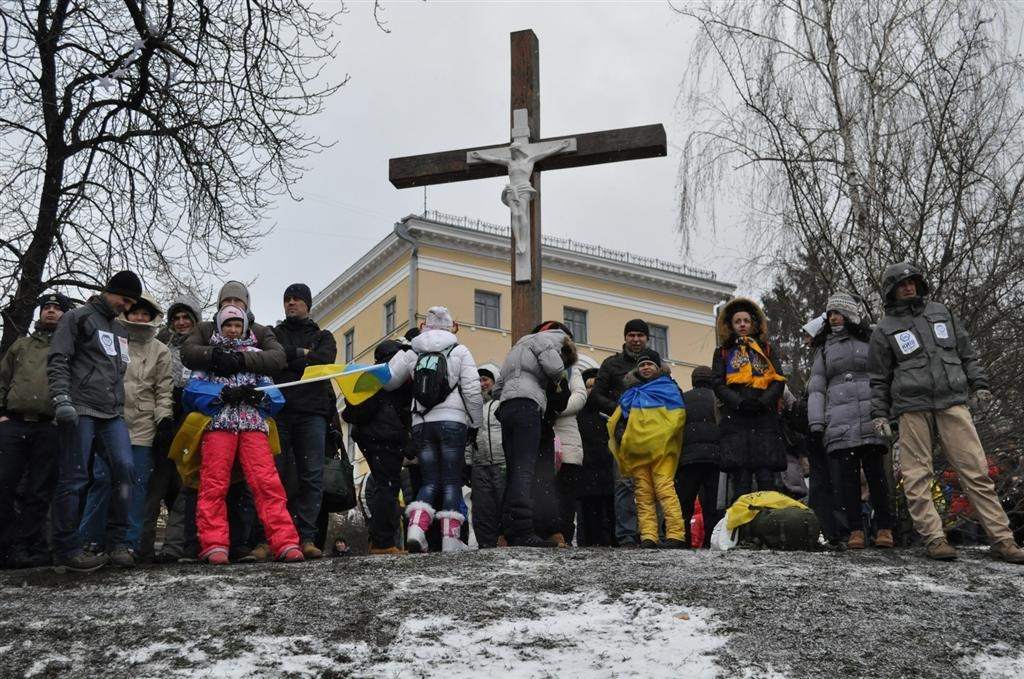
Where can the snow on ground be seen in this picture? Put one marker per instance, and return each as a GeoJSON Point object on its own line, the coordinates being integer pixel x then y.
{"type": "Point", "coordinates": [523, 613]}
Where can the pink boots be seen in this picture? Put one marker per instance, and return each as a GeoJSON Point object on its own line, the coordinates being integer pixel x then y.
{"type": "Point", "coordinates": [451, 528]}
{"type": "Point", "coordinates": [420, 516]}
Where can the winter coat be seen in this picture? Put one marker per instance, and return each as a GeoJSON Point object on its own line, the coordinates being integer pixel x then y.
{"type": "Point", "coordinates": [488, 448]}
{"type": "Point", "coordinates": [608, 385]}
{"type": "Point", "coordinates": [921, 357]}
{"type": "Point", "coordinates": [23, 387]}
{"type": "Point", "coordinates": [88, 358]}
{"type": "Point", "coordinates": [304, 333]}
{"type": "Point", "coordinates": [748, 440]}
{"type": "Point", "coordinates": [535, 363]}
{"type": "Point", "coordinates": [566, 427]}
{"type": "Point", "coordinates": [381, 421]}
{"type": "Point", "coordinates": [175, 340]}
{"type": "Point", "coordinates": [148, 384]}
{"type": "Point", "coordinates": [597, 477]}
{"type": "Point", "coordinates": [701, 436]}
{"type": "Point", "coordinates": [839, 392]}
{"type": "Point", "coordinates": [270, 360]}
{"type": "Point", "coordinates": [465, 403]}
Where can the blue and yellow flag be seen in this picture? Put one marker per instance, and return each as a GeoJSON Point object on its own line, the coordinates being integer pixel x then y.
{"type": "Point", "coordinates": [655, 415]}
{"type": "Point", "coordinates": [356, 382]}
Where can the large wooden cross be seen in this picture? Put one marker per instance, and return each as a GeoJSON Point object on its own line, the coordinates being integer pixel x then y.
{"type": "Point", "coordinates": [592, 148]}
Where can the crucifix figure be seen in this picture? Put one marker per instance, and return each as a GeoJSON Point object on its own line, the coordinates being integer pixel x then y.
{"type": "Point", "coordinates": [523, 160]}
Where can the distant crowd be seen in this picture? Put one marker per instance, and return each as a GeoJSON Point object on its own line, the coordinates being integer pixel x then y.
{"type": "Point", "coordinates": [116, 413]}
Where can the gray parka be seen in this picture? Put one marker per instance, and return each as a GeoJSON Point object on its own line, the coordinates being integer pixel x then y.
{"type": "Point", "coordinates": [839, 392]}
{"type": "Point", "coordinates": [534, 363]}
{"type": "Point", "coordinates": [88, 358]}
{"type": "Point", "coordinates": [921, 355]}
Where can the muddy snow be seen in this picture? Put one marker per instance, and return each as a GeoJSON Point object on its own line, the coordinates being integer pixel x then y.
{"type": "Point", "coordinates": [522, 613]}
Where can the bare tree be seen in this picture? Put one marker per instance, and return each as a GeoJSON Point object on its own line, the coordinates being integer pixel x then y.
{"type": "Point", "coordinates": [147, 134]}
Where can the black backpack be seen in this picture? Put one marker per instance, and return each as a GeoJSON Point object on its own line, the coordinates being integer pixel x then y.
{"type": "Point", "coordinates": [430, 379]}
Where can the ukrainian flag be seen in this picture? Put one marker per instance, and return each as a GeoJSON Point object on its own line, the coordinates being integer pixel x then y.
{"type": "Point", "coordinates": [357, 382]}
{"type": "Point", "coordinates": [655, 415]}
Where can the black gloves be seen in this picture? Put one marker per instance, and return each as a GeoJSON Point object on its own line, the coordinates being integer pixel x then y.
{"type": "Point", "coordinates": [243, 395]}
{"type": "Point", "coordinates": [224, 362]}
{"type": "Point", "coordinates": [165, 429]}
{"type": "Point", "coordinates": [750, 406]}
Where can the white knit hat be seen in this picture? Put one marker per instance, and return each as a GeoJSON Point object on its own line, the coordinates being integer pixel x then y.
{"type": "Point", "coordinates": [438, 318]}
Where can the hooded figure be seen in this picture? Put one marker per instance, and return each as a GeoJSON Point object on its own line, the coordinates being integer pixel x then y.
{"type": "Point", "coordinates": [922, 368]}
{"type": "Point", "coordinates": [174, 340]}
{"type": "Point", "coordinates": [750, 388]}
{"type": "Point", "coordinates": [699, 463]}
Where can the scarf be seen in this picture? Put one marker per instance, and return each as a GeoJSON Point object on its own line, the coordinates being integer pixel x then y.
{"type": "Point", "coordinates": [748, 365]}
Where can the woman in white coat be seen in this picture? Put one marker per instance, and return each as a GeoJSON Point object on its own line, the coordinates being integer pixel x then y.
{"type": "Point", "coordinates": [567, 433]}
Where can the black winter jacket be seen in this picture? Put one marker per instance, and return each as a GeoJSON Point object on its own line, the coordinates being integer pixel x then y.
{"type": "Point", "coordinates": [303, 333]}
{"type": "Point", "coordinates": [383, 420]}
{"type": "Point", "coordinates": [596, 478]}
{"type": "Point", "coordinates": [88, 358]}
{"type": "Point", "coordinates": [701, 437]}
{"type": "Point", "coordinates": [749, 440]}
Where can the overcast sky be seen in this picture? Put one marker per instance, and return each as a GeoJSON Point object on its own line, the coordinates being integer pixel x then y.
{"type": "Point", "coordinates": [440, 80]}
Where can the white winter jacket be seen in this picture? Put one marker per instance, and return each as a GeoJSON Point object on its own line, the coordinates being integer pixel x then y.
{"type": "Point", "coordinates": [465, 407]}
{"type": "Point", "coordinates": [566, 427]}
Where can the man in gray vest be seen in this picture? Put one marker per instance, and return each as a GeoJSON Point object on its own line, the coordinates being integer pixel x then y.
{"type": "Point", "coordinates": [922, 367]}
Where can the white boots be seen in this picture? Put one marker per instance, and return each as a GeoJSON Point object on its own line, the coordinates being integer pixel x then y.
{"type": "Point", "coordinates": [451, 529]}
{"type": "Point", "coordinates": [420, 516]}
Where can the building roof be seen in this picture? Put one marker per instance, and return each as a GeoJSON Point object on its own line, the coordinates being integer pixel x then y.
{"type": "Point", "coordinates": [470, 235]}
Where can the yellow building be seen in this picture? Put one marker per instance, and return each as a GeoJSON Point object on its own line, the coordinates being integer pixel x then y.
{"type": "Point", "coordinates": [464, 264]}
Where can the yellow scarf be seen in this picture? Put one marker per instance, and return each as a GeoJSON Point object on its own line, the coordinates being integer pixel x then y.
{"type": "Point", "coordinates": [747, 364]}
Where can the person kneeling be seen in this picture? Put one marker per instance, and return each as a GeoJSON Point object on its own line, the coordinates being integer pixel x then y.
{"type": "Point", "coordinates": [647, 430]}
{"type": "Point", "coordinates": [238, 427]}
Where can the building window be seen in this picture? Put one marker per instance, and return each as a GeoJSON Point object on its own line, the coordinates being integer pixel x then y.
{"type": "Point", "coordinates": [389, 316]}
{"type": "Point", "coordinates": [576, 321]}
{"type": "Point", "coordinates": [350, 345]}
{"type": "Point", "coordinates": [487, 309]}
{"type": "Point", "coordinates": [659, 339]}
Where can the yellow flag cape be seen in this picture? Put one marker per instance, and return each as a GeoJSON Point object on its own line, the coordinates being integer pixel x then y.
{"type": "Point", "coordinates": [747, 506]}
{"type": "Point", "coordinates": [186, 448]}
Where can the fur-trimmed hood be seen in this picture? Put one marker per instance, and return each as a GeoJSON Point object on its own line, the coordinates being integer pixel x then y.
{"type": "Point", "coordinates": [723, 327]}
{"type": "Point", "coordinates": [633, 378]}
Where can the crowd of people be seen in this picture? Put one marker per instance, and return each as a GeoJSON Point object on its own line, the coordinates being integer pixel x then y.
{"type": "Point", "coordinates": [115, 413]}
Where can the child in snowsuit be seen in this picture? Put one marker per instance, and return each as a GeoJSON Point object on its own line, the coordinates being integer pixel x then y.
{"type": "Point", "coordinates": [238, 428]}
{"type": "Point", "coordinates": [647, 435]}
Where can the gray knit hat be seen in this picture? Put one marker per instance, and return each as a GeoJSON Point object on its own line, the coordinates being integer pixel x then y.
{"type": "Point", "coordinates": [846, 304]}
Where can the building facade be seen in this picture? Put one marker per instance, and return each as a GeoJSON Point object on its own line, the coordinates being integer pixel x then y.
{"type": "Point", "coordinates": [464, 265]}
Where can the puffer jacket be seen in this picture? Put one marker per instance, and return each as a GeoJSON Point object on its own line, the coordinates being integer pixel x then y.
{"type": "Point", "coordinates": [23, 387]}
{"type": "Point", "coordinates": [148, 384]}
{"type": "Point", "coordinates": [566, 427]}
{"type": "Point", "coordinates": [921, 357]}
{"type": "Point", "coordinates": [464, 404]}
{"type": "Point", "coordinates": [269, 360]}
{"type": "Point", "coordinates": [839, 392]}
{"type": "Point", "coordinates": [488, 448]}
{"type": "Point", "coordinates": [608, 385]}
{"type": "Point", "coordinates": [535, 363]}
{"type": "Point", "coordinates": [702, 438]}
{"type": "Point", "coordinates": [88, 359]}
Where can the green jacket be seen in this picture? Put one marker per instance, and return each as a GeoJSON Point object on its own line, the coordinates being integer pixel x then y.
{"type": "Point", "coordinates": [23, 386]}
{"type": "Point", "coordinates": [921, 358]}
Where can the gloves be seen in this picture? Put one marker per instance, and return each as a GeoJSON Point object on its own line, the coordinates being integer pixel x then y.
{"type": "Point", "coordinates": [882, 428]}
{"type": "Point", "coordinates": [224, 362]}
{"type": "Point", "coordinates": [231, 395]}
{"type": "Point", "coordinates": [983, 398]}
{"type": "Point", "coordinates": [471, 436]}
{"type": "Point", "coordinates": [64, 412]}
{"type": "Point", "coordinates": [750, 406]}
{"type": "Point", "coordinates": [165, 429]}
{"type": "Point", "coordinates": [250, 396]}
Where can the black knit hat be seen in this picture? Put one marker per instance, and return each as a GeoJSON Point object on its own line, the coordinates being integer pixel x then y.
{"type": "Point", "coordinates": [485, 372]}
{"type": "Point", "coordinates": [124, 283]}
{"type": "Point", "coordinates": [637, 325]}
{"type": "Point", "coordinates": [649, 355]}
{"type": "Point", "coordinates": [589, 373]}
{"type": "Point", "coordinates": [60, 300]}
{"type": "Point", "coordinates": [300, 291]}
{"type": "Point", "coordinates": [702, 374]}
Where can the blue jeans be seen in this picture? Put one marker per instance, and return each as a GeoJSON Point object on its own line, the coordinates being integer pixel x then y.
{"type": "Point", "coordinates": [442, 454]}
{"type": "Point", "coordinates": [76, 443]}
{"type": "Point", "coordinates": [303, 437]}
{"type": "Point", "coordinates": [93, 528]}
{"type": "Point", "coordinates": [625, 510]}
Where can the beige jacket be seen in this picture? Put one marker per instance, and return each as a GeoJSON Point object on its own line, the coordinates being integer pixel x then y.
{"type": "Point", "coordinates": [147, 382]}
